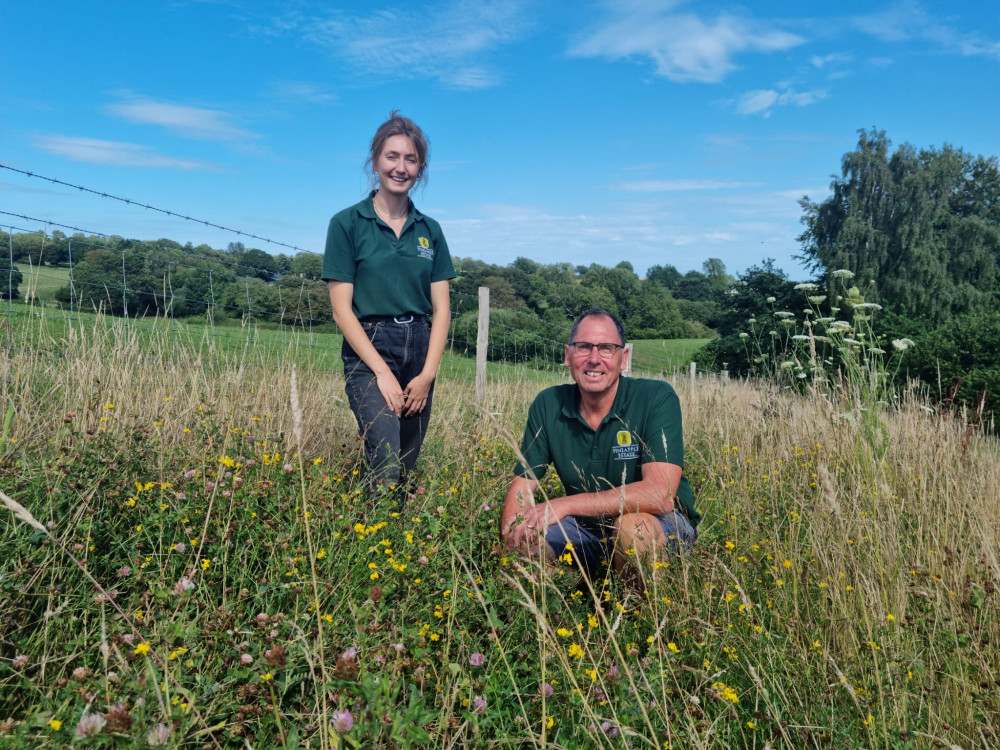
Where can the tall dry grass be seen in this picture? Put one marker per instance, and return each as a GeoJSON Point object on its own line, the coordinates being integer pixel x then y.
{"type": "Point", "coordinates": [844, 587]}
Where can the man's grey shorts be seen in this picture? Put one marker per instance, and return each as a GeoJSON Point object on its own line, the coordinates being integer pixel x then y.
{"type": "Point", "coordinates": [594, 538]}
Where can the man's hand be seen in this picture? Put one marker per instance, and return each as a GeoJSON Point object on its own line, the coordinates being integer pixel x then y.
{"type": "Point", "coordinates": [523, 529]}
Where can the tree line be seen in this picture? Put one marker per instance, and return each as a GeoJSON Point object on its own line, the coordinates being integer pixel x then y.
{"type": "Point", "coordinates": [916, 230]}
{"type": "Point", "coordinates": [131, 277]}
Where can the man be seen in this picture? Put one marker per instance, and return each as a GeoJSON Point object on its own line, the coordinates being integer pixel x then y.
{"type": "Point", "coordinates": [616, 444]}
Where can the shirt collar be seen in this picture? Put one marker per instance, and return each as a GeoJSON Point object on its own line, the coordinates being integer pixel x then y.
{"type": "Point", "coordinates": [572, 409]}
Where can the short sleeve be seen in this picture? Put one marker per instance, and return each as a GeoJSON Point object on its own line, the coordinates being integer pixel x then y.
{"type": "Point", "coordinates": [339, 263]}
{"type": "Point", "coordinates": [534, 445]}
{"type": "Point", "coordinates": [663, 433]}
{"type": "Point", "coordinates": [443, 269]}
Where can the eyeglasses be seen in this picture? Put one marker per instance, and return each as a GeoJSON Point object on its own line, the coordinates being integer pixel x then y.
{"type": "Point", "coordinates": [584, 348]}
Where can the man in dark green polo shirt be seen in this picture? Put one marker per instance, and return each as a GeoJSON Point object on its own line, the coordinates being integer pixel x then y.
{"type": "Point", "coordinates": [617, 446]}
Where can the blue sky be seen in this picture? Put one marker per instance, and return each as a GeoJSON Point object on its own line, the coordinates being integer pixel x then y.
{"type": "Point", "coordinates": [591, 132]}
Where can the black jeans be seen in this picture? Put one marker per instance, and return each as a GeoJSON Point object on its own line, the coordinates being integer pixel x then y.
{"type": "Point", "coordinates": [392, 444]}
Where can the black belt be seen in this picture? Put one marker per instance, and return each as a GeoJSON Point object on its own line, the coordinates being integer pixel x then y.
{"type": "Point", "coordinates": [407, 318]}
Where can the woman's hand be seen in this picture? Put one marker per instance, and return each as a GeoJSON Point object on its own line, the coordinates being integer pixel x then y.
{"type": "Point", "coordinates": [415, 394]}
{"type": "Point", "coordinates": [389, 388]}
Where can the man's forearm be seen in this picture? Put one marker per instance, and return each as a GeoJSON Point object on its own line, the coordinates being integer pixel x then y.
{"type": "Point", "coordinates": [653, 494]}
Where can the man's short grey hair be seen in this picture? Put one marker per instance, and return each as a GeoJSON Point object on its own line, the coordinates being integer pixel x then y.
{"type": "Point", "coordinates": [606, 314]}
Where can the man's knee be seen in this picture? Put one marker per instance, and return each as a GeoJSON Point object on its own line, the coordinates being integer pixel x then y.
{"type": "Point", "coordinates": [639, 531]}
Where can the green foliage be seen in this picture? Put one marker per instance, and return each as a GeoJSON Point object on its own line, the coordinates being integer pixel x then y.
{"type": "Point", "coordinates": [513, 337]}
{"type": "Point", "coordinates": [666, 276]}
{"type": "Point", "coordinates": [653, 314]}
{"type": "Point", "coordinates": [307, 265]}
{"type": "Point", "coordinates": [920, 230]}
{"type": "Point", "coordinates": [10, 279]}
{"type": "Point", "coordinates": [558, 293]}
{"type": "Point", "coordinates": [761, 301]}
{"type": "Point", "coordinates": [958, 360]}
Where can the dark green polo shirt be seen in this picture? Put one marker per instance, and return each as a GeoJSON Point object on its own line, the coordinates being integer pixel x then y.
{"type": "Point", "coordinates": [644, 425]}
{"type": "Point", "coordinates": [391, 276]}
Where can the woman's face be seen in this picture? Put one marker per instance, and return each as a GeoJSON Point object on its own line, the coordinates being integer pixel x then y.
{"type": "Point", "coordinates": [398, 166]}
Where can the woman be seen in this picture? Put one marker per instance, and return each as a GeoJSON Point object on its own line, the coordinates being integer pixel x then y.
{"type": "Point", "coordinates": [388, 268]}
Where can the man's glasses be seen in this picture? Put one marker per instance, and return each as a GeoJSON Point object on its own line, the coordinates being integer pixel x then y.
{"type": "Point", "coordinates": [584, 348]}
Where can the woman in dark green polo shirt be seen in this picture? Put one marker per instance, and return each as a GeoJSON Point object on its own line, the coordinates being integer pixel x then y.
{"type": "Point", "coordinates": [388, 268]}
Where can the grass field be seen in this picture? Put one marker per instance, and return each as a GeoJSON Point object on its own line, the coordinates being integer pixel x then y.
{"type": "Point", "coordinates": [665, 355]}
{"type": "Point", "coordinates": [41, 282]}
{"type": "Point", "coordinates": [193, 567]}
{"type": "Point", "coordinates": [49, 328]}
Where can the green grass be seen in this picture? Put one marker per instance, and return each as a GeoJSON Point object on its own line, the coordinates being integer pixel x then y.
{"type": "Point", "coordinates": [210, 572]}
{"type": "Point", "coordinates": [43, 281]}
{"type": "Point", "coordinates": [665, 355]}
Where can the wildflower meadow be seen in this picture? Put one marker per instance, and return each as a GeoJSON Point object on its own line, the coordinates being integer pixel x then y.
{"type": "Point", "coordinates": [188, 562]}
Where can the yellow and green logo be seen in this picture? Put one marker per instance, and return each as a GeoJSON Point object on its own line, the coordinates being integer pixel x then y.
{"type": "Point", "coordinates": [624, 437]}
{"type": "Point", "coordinates": [424, 242]}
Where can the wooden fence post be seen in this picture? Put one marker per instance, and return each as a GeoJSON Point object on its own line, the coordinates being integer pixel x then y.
{"type": "Point", "coordinates": [482, 343]}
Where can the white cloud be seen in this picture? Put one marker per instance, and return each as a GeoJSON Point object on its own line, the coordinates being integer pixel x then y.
{"type": "Point", "coordinates": [450, 42]}
{"type": "Point", "coordinates": [835, 58]}
{"type": "Point", "coordinates": [184, 121]}
{"type": "Point", "coordinates": [300, 91]}
{"type": "Point", "coordinates": [662, 186]}
{"type": "Point", "coordinates": [762, 101]}
{"type": "Point", "coordinates": [113, 153]}
{"type": "Point", "coordinates": [682, 46]}
{"type": "Point", "coordinates": [757, 101]}
{"type": "Point", "coordinates": [908, 20]}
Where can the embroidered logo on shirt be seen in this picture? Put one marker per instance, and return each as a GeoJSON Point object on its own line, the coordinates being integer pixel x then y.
{"type": "Point", "coordinates": [425, 250]}
{"type": "Point", "coordinates": [626, 450]}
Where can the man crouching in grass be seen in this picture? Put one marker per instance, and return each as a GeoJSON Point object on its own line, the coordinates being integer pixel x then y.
{"type": "Point", "coordinates": [617, 446]}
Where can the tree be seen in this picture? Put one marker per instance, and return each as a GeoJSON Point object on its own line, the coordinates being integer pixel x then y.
{"type": "Point", "coordinates": [254, 300]}
{"type": "Point", "coordinates": [958, 361]}
{"type": "Point", "coordinates": [620, 281]}
{"type": "Point", "coordinates": [257, 263]}
{"type": "Point", "coordinates": [306, 265]}
{"type": "Point", "coordinates": [29, 246]}
{"type": "Point", "coordinates": [116, 281]}
{"type": "Point", "coordinates": [502, 293]}
{"type": "Point", "coordinates": [694, 286]}
{"type": "Point", "coordinates": [757, 305]}
{"type": "Point", "coordinates": [10, 279]}
{"type": "Point", "coordinates": [654, 314]}
{"type": "Point", "coordinates": [666, 276]}
{"type": "Point", "coordinates": [718, 280]}
{"type": "Point", "coordinates": [919, 230]}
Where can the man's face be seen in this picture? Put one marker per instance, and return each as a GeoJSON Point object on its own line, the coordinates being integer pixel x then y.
{"type": "Point", "coordinates": [593, 373]}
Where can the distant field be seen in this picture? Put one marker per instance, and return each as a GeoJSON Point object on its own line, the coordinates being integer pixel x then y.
{"type": "Point", "coordinates": [41, 282]}
{"type": "Point", "coordinates": [665, 354]}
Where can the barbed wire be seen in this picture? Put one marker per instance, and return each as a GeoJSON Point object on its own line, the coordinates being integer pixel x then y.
{"type": "Point", "coordinates": [142, 243]}
{"type": "Point", "coordinates": [140, 204]}
{"type": "Point", "coordinates": [298, 304]}
{"type": "Point", "coordinates": [50, 224]}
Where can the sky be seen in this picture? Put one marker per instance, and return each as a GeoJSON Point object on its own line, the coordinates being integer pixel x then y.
{"type": "Point", "coordinates": [651, 131]}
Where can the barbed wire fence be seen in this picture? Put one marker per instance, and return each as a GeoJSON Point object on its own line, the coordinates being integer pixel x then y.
{"type": "Point", "coordinates": [231, 302]}
{"type": "Point", "coordinates": [236, 303]}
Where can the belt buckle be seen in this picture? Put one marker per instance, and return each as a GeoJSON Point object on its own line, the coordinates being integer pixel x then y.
{"type": "Point", "coordinates": [403, 318]}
